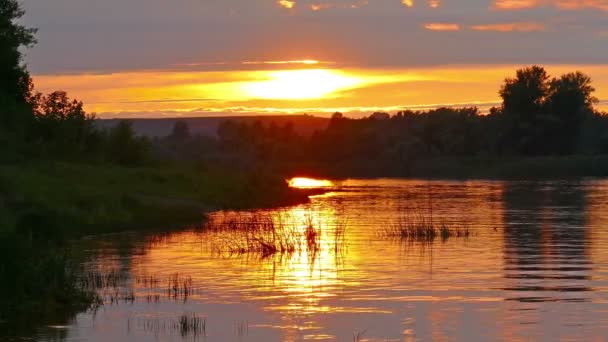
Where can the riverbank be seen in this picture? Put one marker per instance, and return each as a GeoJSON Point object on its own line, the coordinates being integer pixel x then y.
{"type": "Point", "coordinates": [69, 199]}
{"type": "Point", "coordinates": [44, 204]}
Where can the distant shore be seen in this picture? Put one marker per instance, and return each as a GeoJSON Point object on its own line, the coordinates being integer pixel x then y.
{"type": "Point", "coordinates": [540, 167]}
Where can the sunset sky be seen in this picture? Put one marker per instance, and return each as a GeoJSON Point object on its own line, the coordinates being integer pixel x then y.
{"type": "Point", "coordinates": [153, 58]}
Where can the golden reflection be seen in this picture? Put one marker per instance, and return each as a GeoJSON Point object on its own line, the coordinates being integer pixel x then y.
{"type": "Point", "coordinates": [303, 182]}
{"type": "Point", "coordinates": [531, 244]}
{"type": "Point", "coordinates": [309, 273]}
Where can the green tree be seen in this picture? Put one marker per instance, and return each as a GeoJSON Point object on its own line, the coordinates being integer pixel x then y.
{"type": "Point", "coordinates": [570, 95]}
{"type": "Point", "coordinates": [16, 85]}
{"type": "Point", "coordinates": [61, 123]}
{"type": "Point", "coordinates": [525, 94]}
{"type": "Point", "coordinates": [524, 111]}
{"type": "Point", "coordinates": [181, 131]}
{"type": "Point", "coordinates": [124, 147]}
{"type": "Point", "coordinates": [570, 101]}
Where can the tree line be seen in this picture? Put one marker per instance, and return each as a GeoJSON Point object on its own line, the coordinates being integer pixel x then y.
{"type": "Point", "coordinates": [539, 116]}
{"type": "Point", "coordinates": [53, 125]}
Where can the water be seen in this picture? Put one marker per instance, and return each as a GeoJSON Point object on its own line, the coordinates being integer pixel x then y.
{"type": "Point", "coordinates": [534, 268]}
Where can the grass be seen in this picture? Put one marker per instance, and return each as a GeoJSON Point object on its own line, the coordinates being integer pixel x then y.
{"type": "Point", "coordinates": [188, 325]}
{"type": "Point", "coordinates": [114, 287]}
{"type": "Point", "coordinates": [419, 225]}
{"type": "Point", "coordinates": [267, 235]}
{"type": "Point", "coordinates": [56, 199]}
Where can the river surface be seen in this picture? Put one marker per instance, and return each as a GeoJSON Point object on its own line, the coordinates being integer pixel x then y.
{"type": "Point", "coordinates": [534, 267]}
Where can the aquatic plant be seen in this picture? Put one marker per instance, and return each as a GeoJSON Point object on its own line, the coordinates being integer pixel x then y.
{"type": "Point", "coordinates": [419, 225]}
{"type": "Point", "coordinates": [179, 287]}
{"type": "Point", "coordinates": [192, 325]}
{"type": "Point", "coordinates": [187, 325]}
{"type": "Point", "coordinates": [267, 234]}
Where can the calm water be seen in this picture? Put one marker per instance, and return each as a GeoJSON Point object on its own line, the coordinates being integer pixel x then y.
{"type": "Point", "coordinates": [535, 268]}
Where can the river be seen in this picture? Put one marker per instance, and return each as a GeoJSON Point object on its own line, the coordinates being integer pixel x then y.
{"type": "Point", "coordinates": [533, 266]}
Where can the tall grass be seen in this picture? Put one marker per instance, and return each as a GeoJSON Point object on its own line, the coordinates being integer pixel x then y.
{"type": "Point", "coordinates": [419, 225]}
{"type": "Point", "coordinates": [188, 325]}
{"type": "Point", "coordinates": [267, 234]}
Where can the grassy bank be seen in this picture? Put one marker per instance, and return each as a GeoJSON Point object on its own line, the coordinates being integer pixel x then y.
{"type": "Point", "coordinates": [51, 198]}
{"type": "Point", "coordinates": [43, 204]}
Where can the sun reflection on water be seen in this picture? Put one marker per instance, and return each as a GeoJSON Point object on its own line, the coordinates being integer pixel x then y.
{"type": "Point", "coordinates": [536, 249]}
{"type": "Point", "coordinates": [304, 182]}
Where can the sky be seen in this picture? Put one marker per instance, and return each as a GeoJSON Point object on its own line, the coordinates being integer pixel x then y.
{"type": "Point", "coordinates": [156, 58]}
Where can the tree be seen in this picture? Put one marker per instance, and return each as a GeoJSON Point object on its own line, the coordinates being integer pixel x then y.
{"type": "Point", "coordinates": [525, 94]}
{"type": "Point", "coordinates": [570, 101]}
{"type": "Point", "coordinates": [61, 123]}
{"type": "Point", "coordinates": [570, 95]}
{"type": "Point", "coordinates": [124, 147]}
{"type": "Point", "coordinates": [16, 85]}
{"type": "Point", "coordinates": [181, 131]}
{"type": "Point", "coordinates": [524, 110]}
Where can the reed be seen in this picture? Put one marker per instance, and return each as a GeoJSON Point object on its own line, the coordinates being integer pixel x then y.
{"type": "Point", "coordinates": [179, 287]}
{"type": "Point", "coordinates": [192, 325]}
{"type": "Point", "coordinates": [419, 225]}
{"type": "Point", "coordinates": [267, 235]}
{"type": "Point", "coordinates": [188, 325]}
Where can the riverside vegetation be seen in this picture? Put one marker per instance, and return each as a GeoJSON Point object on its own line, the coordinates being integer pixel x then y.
{"type": "Point", "coordinates": [62, 177]}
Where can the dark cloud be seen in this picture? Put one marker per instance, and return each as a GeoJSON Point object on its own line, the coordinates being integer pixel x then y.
{"type": "Point", "coordinates": [100, 36]}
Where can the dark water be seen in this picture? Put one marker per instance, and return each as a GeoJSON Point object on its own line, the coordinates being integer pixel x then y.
{"type": "Point", "coordinates": [534, 268]}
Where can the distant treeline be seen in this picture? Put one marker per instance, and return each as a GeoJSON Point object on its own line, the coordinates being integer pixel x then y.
{"type": "Point", "coordinates": [539, 116]}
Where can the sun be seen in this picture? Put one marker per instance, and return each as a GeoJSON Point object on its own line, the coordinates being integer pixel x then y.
{"type": "Point", "coordinates": [300, 84]}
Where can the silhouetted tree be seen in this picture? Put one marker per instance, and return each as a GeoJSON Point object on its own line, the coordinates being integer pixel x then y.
{"type": "Point", "coordinates": [525, 94]}
{"type": "Point", "coordinates": [61, 124]}
{"type": "Point", "coordinates": [181, 131]}
{"type": "Point", "coordinates": [570, 100]}
{"type": "Point", "coordinates": [523, 106]}
{"type": "Point", "coordinates": [15, 84]}
{"type": "Point", "coordinates": [124, 147]}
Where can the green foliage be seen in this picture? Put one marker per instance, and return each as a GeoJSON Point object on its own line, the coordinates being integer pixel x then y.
{"type": "Point", "coordinates": [181, 131]}
{"type": "Point", "coordinates": [124, 147]}
{"type": "Point", "coordinates": [525, 94]}
{"type": "Point", "coordinates": [43, 199]}
{"type": "Point", "coordinates": [543, 115]}
{"type": "Point", "coordinates": [16, 86]}
{"type": "Point", "coordinates": [62, 127]}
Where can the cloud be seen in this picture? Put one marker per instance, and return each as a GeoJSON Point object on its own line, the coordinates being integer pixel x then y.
{"type": "Point", "coordinates": [510, 27]}
{"type": "Point", "coordinates": [328, 4]}
{"type": "Point", "coordinates": [91, 36]}
{"type": "Point", "coordinates": [442, 27]}
{"type": "Point", "coordinates": [515, 4]}
{"type": "Point", "coordinates": [560, 4]}
{"type": "Point", "coordinates": [434, 3]}
{"type": "Point", "coordinates": [286, 4]}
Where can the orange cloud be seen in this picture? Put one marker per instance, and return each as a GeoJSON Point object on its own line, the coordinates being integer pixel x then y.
{"type": "Point", "coordinates": [434, 3]}
{"type": "Point", "coordinates": [561, 4]}
{"type": "Point", "coordinates": [408, 3]}
{"type": "Point", "coordinates": [515, 4]}
{"type": "Point", "coordinates": [510, 27]}
{"type": "Point", "coordinates": [581, 4]}
{"type": "Point", "coordinates": [442, 27]}
{"type": "Point", "coordinates": [318, 7]}
{"type": "Point", "coordinates": [286, 4]}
